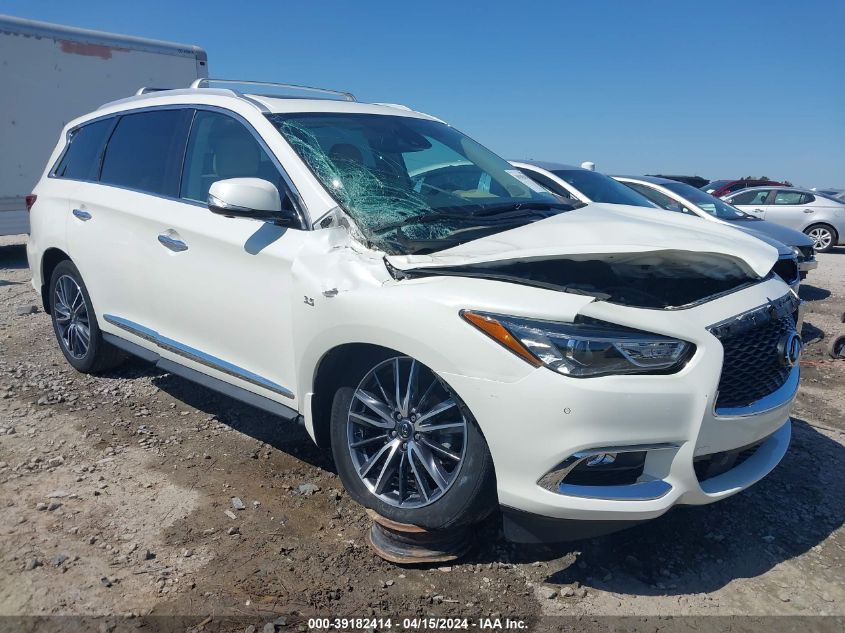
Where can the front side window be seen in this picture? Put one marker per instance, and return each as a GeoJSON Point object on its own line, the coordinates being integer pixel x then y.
{"type": "Point", "coordinates": [788, 197]}
{"type": "Point", "coordinates": [414, 185]}
{"type": "Point", "coordinates": [750, 197]}
{"type": "Point", "coordinates": [704, 201]}
{"type": "Point", "coordinates": [659, 198]}
{"type": "Point", "coordinates": [145, 151]}
{"type": "Point", "coordinates": [81, 160]}
{"type": "Point", "coordinates": [548, 183]}
{"type": "Point", "coordinates": [600, 188]}
{"type": "Point", "coordinates": [220, 147]}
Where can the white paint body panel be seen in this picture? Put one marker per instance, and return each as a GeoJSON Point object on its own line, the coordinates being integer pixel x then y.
{"type": "Point", "coordinates": [276, 301]}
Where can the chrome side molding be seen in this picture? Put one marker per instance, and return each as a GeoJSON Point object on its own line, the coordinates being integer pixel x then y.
{"type": "Point", "coordinates": [196, 355]}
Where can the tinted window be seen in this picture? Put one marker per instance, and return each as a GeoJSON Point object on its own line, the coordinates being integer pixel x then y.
{"type": "Point", "coordinates": [81, 160]}
{"type": "Point", "coordinates": [788, 197]}
{"type": "Point", "coordinates": [807, 198]}
{"type": "Point", "coordinates": [659, 198]}
{"type": "Point", "coordinates": [600, 188]}
{"type": "Point", "coordinates": [145, 151]}
{"type": "Point", "coordinates": [221, 147]}
{"type": "Point", "coordinates": [750, 197]}
{"type": "Point", "coordinates": [548, 183]}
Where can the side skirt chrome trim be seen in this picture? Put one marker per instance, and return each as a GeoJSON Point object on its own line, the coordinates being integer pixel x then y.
{"type": "Point", "coordinates": [238, 393]}
{"type": "Point", "coordinates": [196, 355]}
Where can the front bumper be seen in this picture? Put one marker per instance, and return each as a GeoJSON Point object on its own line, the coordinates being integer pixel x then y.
{"type": "Point", "coordinates": [535, 424]}
{"type": "Point", "coordinates": [808, 265]}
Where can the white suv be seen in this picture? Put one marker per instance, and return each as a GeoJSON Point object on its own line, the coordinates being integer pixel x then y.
{"type": "Point", "coordinates": [461, 338]}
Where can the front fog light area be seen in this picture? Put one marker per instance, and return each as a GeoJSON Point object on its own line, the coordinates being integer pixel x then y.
{"type": "Point", "coordinates": [585, 348]}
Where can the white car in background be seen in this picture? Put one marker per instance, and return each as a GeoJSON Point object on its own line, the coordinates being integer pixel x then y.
{"type": "Point", "coordinates": [462, 346]}
{"type": "Point", "coordinates": [582, 185]}
{"type": "Point", "coordinates": [817, 215]}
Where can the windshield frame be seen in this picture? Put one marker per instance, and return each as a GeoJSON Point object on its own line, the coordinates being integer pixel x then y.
{"type": "Point", "coordinates": [308, 149]}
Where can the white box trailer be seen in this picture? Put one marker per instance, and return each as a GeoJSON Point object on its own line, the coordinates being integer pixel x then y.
{"type": "Point", "coordinates": [50, 74]}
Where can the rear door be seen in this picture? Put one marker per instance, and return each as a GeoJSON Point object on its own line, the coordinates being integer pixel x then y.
{"type": "Point", "coordinates": [113, 213]}
{"type": "Point", "coordinates": [790, 208]}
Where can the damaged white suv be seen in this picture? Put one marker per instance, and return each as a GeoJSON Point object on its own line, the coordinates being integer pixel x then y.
{"type": "Point", "coordinates": [461, 338]}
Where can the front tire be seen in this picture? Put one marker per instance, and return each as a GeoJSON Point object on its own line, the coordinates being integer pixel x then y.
{"type": "Point", "coordinates": [824, 237]}
{"type": "Point", "coordinates": [406, 446]}
{"type": "Point", "coordinates": [75, 323]}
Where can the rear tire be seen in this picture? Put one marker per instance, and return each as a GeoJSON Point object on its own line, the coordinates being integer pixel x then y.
{"type": "Point", "coordinates": [75, 323]}
{"type": "Point", "coordinates": [824, 237]}
{"type": "Point", "coordinates": [402, 484]}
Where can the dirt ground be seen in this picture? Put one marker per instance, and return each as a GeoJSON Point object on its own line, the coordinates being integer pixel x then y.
{"type": "Point", "coordinates": [116, 495]}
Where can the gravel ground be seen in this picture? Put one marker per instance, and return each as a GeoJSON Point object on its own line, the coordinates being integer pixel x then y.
{"type": "Point", "coordinates": [140, 493]}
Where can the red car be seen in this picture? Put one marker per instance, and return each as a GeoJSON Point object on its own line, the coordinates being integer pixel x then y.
{"type": "Point", "coordinates": [721, 188]}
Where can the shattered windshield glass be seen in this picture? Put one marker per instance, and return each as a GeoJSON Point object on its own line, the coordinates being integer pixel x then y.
{"type": "Point", "coordinates": [414, 185]}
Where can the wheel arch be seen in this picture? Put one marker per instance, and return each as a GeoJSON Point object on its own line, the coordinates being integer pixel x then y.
{"type": "Point", "coordinates": [327, 375]}
{"type": "Point", "coordinates": [828, 225]}
{"type": "Point", "coordinates": [49, 260]}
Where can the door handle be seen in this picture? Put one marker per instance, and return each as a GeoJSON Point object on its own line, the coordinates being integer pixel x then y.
{"type": "Point", "coordinates": [808, 210]}
{"type": "Point", "coordinates": [82, 215]}
{"type": "Point", "coordinates": [172, 243]}
{"type": "Point", "coordinates": [759, 210]}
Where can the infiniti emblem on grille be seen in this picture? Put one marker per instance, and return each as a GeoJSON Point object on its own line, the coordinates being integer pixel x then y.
{"type": "Point", "coordinates": [790, 348]}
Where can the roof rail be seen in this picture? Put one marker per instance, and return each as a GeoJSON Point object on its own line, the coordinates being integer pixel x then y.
{"type": "Point", "coordinates": [145, 90]}
{"type": "Point", "coordinates": [203, 82]}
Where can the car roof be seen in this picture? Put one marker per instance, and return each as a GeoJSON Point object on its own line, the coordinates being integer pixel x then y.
{"type": "Point", "coordinates": [547, 165]}
{"type": "Point", "coordinates": [655, 180]}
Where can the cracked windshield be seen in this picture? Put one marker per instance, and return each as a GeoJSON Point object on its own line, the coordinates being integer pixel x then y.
{"type": "Point", "coordinates": [414, 185]}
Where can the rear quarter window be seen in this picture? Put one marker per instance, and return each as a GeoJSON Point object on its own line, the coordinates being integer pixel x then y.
{"type": "Point", "coordinates": [145, 151]}
{"type": "Point", "coordinates": [81, 159]}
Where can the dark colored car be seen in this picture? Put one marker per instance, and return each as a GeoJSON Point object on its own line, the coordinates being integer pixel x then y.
{"type": "Point", "coordinates": [694, 181]}
{"type": "Point", "coordinates": [721, 188]}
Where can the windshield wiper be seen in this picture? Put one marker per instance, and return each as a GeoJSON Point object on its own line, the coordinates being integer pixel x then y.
{"type": "Point", "coordinates": [525, 207]}
{"type": "Point", "coordinates": [426, 219]}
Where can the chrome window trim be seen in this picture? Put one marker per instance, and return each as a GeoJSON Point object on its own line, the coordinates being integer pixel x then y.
{"type": "Point", "coordinates": [196, 355]}
{"type": "Point", "coordinates": [299, 203]}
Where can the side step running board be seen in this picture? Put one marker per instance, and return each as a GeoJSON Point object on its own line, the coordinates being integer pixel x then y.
{"type": "Point", "coordinates": [215, 384]}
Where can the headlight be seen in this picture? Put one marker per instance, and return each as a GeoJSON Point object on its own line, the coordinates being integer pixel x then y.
{"type": "Point", "coordinates": [797, 252]}
{"type": "Point", "coordinates": [583, 350]}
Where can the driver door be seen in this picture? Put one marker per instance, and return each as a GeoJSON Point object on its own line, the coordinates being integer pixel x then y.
{"type": "Point", "coordinates": [224, 284]}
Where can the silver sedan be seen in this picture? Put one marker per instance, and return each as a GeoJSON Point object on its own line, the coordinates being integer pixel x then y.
{"type": "Point", "coordinates": [820, 216]}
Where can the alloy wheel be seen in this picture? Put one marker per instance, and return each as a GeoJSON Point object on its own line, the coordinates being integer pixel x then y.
{"type": "Point", "coordinates": [406, 433]}
{"type": "Point", "coordinates": [71, 315]}
{"type": "Point", "coordinates": [822, 237]}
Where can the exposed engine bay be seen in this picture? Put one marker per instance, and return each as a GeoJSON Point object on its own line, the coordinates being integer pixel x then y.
{"type": "Point", "coordinates": [663, 279]}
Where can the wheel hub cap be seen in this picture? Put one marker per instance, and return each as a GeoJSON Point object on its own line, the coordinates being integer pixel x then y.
{"type": "Point", "coordinates": [406, 433]}
{"type": "Point", "coordinates": [71, 317]}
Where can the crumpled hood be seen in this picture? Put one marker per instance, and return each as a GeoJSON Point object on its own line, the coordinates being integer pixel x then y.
{"type": "Point", "coordinates": [597, 229]}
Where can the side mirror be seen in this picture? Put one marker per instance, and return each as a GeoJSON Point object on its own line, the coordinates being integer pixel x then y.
{"type": "Point", "coordinates": [251, 198]}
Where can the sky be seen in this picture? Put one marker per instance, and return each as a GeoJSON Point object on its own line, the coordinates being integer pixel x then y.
{"type": "Point", "coordinates": [716, 89]}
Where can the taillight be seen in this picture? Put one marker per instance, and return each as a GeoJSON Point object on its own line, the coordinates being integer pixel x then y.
{"type": "Point", "coordinates": [30, 200]}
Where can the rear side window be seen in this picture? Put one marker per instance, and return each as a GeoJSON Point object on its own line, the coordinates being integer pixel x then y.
{"type": "Point", "coordinates": [81, 160]}
{"type": "Point", "coordinates": [145, 151]}
{"type": "Point", "coordinates": [221, 147]}
{"type": "Point", "coordinates": [788, 197]}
